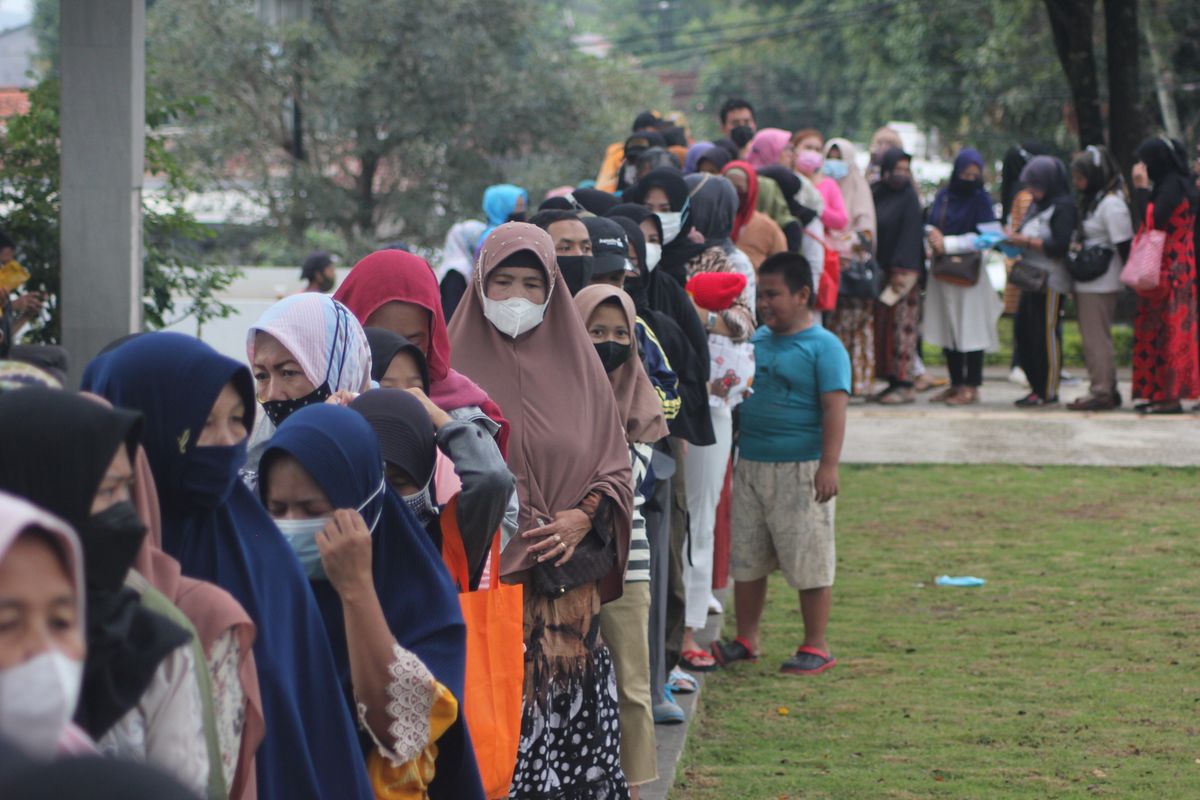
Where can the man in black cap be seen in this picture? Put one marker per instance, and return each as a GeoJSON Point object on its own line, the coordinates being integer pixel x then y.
{"type": "Point", "coordinates": [610, 252]}
{"type": "Point", "coordinates": [318, 270]}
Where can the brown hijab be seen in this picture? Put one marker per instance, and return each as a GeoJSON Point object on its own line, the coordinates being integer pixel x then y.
{"type": "Point", "coordinates": [209, 608]}
{"type": "Point", "coordinates": [637, 401]}
{"type": "Point", "coordinates": [567, 440]}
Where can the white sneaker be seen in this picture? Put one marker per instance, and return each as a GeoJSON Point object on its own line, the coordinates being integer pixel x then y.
{"type": "Point", "coordinates": [714, 605]}
{"type": "Point", "coordinates": [1017, 376]}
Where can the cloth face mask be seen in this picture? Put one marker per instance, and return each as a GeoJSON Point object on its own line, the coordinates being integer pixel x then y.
{"type": "Point", "coordinates": [38, 698]}
{"type": "Point", "coordinates": [279, 410]}
{"type": "Point", "coordinates": [514, 316]}
{"type": "Point", "coordinates": [613, 354]}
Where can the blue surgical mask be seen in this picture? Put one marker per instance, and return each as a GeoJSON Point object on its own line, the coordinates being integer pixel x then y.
{"type": "Point", "coordinates": [301, 535]}
{"type": "Point", "coordinates": [835, 169]}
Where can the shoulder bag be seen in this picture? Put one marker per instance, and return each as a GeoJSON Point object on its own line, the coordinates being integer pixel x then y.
{"type": "Point", "coordinates": [1086, 264]}
{"type": "Point", "coordinates": [961, 269]}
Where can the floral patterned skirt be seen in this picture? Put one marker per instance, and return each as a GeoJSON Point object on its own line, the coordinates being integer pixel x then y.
{"type": "Point", "coordinates": [570, 735]}
{"type": "Point", "coordinates": [853, 321]}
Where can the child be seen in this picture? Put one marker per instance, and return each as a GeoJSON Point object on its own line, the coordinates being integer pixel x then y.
{"type": "Point", "coordinates": [785, 482]}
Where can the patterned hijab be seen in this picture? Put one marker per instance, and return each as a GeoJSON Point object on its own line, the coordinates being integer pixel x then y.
{"type": "Point", "coordinates": [323, 336]}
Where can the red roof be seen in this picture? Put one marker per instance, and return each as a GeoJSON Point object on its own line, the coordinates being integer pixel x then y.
{"type": "Point", "coordinates": [13, 102]}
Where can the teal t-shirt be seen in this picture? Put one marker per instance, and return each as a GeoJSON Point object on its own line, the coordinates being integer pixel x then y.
{"type": "Point", "coordinates": [781, 420]}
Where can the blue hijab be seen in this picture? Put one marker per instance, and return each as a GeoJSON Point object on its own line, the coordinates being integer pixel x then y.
{"type": "Point", "coordinates": [499, 204]}
{"type": "Point", "coordinates": [962, 205]}
{"type": "Point", "coordinates": [340, 450]}
{"type": "Point", "coordinates": [218, 532]}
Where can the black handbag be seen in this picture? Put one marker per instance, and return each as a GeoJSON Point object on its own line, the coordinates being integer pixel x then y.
{"type": "Point", "coordinates": [1027, 277]}
{"type": "Point", "coordinates": [1090, 263]}
{"type": "Point", "coordinates": [861, 279]}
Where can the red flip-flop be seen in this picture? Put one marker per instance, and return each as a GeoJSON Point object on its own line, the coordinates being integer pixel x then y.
{"type": "Point", "coordinates": [698, 661]}
{"type": "Point", "coordinates": [808, 661]}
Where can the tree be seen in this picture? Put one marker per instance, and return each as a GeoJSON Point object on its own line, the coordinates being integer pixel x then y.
{"type": "Point", "coordinates": [408, 110]}
{"type": "Point", "coordinates": [29, 191]}
{"type": "Point", "coordinates": [1071, 22]}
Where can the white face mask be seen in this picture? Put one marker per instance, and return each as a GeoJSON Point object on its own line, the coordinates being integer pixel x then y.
{"type": "Point", "coordinates": [37, 700]}
{"type": "Point", "coordinates": [653, 256]}
{"type": "Point", "coordinates": [672, 224]}
{"type": "Point", "coordinates": [514, 316]}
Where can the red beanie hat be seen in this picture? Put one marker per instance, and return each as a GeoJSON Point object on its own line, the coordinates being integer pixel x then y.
{"type": "Point", "coordinates": [716, 291]}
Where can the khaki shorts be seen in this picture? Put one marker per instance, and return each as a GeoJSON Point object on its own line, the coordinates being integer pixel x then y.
{"type": "Point", "coordinates": [778, 524]}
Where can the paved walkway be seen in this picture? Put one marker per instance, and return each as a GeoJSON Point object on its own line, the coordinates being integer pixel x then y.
{"type": "Point", "coordinates": [996, 432]}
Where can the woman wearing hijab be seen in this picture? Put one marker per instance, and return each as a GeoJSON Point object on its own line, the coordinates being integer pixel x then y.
{"type": "Point", "coordinates": [223, 640]}
{"type": "Point", "coordinates": [961, 319]}
{"type": "Point", "coordinates": [882, 140]}
{"type": "Point", "coordinates": [901, 254]}
{"type": "Point", "coordinates": [576, 503]}
{"type": "Point", "coordinates": [809, 147]}
{"type": "Point", "coordinates": [1104, 209]}
{"type": "Point", "coordinates": [1044, 238]}
{"type": "Point", "coordinates": [140, 698]}
{"type": "Point", "coordinates": [396, 291]}
{"type": "Point", "coordinates": [198, 406]}
{"type": "Point", "coordinates": [41, 660]}
{"type": "Point", "coordinates": [713, 160]}
{"type": "Point", "coordinates": [807, 205]}
{"type": "Point", "coordinates": [399, 643]}
{"type": "Point", "coordinates": [396, 363]}
{"type": "Point", "coordinates": [772, 203]}
{"type": "Point", "coordinates": [1165, 366]}
{"type": "Point", "coordinates": [303, 350]}
{"type": "Point", "coordinates": [692, 162]}
{"type": "Point", "coordinates": [755, 234]}
{"type": "Point", "coordinates": [458, 261]}
{"type": "Point", "coordinates": [1015, 200]}
{"type": "Point", "coordinates": [853, 320]}
{"type": "Point", "coordinates": [609, 317]}
{"type": "Point", "coordinates": [502, 203]}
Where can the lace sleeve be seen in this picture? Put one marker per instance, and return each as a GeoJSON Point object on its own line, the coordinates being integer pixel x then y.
{"type": "Point", "coordinates": [229, 700]}
{"type": "Point", "coordinates": [416, 705]}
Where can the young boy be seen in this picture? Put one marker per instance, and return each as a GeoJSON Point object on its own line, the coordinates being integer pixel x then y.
{"type": "Point", "coordinates": [786, 478]}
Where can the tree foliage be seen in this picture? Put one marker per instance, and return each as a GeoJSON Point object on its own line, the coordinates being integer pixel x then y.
{"type": "Point", "coordinates": [175, 285]}
{"type": "Point", "coordinates": [388, 118]}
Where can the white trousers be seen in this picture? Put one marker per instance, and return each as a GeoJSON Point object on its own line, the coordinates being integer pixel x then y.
{"type": "Point", "coordinates": [705, 471]}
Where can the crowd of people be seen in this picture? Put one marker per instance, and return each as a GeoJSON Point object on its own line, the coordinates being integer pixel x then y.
{"type": "Point", "coordinates": [454, 533]}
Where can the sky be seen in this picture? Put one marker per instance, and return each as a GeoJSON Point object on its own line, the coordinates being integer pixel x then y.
{"type": "Point", "coordinates": [15, 12]}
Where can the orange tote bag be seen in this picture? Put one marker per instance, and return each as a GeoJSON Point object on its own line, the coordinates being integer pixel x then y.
{"type": "Point", "coordinates": [495, 674]}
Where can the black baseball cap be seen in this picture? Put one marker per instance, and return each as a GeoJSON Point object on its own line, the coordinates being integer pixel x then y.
{"type": "Point", "coordinates": [610, 247]}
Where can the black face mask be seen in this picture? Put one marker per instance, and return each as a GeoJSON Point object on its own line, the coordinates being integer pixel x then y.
{"type": "Point", "coordinates": [898, 182]}
{"type": "Point", "coordinates": [613, 354]}
{"type": "Point", "coordinates": [576, 271]}
{"type": "Point", "coordinates": [516, 216]}
{"type": "Point", "coordinates": [279, 410]}
{"type": "Point", "coordinates": [965, 187]}
{"type": "Point", "coordinates": [111, 540]}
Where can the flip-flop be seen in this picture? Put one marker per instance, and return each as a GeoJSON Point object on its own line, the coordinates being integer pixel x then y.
{"type": "Point", "coordinates": [698, 661]}
{"type": "Point", "coordinates": [737, 650]}
{"type": "Point", "coordinates": [679, 682]}
{"type": "Point", "coordinates": [808, 661]}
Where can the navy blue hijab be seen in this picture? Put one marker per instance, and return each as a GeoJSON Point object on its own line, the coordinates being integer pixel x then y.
{"type": "Point", "coordinates": [217, 530]}
{"type": "Point", "coordinates": [340, 450]}
{"type": "Point", "coordinates": [962, 205]}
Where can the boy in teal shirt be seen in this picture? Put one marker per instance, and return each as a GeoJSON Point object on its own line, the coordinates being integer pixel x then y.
{"type": "Point", "coordinates": [786, 478]}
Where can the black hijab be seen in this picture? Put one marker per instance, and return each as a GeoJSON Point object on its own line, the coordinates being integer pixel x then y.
{"type": "Point", "coordinates": [789, 183]}
{"type": "Point", "coordinates": [65, 443]}
{"type": "Point", "coordinates": [680, 250]}
{"type": "Point", "coordinates": [717, 156]}
{"type": "Point", "coordinates": [669, 312]}
{"type": "Point", "coordinates": [594, 200]}
{"type": "Point", "coordinates": [386, 345]}
{"type": "Point", "coordinates": [898, 218]}
{"type": "Point", "coordinates": [1166, 164]}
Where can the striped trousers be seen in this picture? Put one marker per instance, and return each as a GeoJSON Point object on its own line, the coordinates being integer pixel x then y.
{"type": "Point", "coordinates": [1038, 344]}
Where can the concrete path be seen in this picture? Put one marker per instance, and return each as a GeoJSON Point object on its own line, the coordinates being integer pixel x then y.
{"type": "Point", "coordinates": [996, 432]}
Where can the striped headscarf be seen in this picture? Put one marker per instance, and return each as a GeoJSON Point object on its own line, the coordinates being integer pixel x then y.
{"type": "Point", "coordinates": [323, 336]}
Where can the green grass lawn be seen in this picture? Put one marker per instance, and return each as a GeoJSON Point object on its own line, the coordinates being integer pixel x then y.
{"type": "Point", "coordinates": [1072, 673]}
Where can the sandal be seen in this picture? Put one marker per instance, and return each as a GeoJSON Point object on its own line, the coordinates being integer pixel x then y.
{"type": "Point", "coordinates": [965, 396]}
{"type": "Point", "coordinates": [679, 682]}
{"type": "Point", "coordinates": [898, 397]}
{"type": "Point", "coordinates": [808, 661]}
{"type": "Point", "coordinates": [1092, 403]}
{"type": "Point", "coordinates": [1161, 408]}
{"type": "Point", "coordinates": [1034, 400]}
{"type": "Point", "coordinates": [925, 382]}
{"type": "Point", "coordinates": [737, 650]}
{"type": "Point", "coordinates": [668, 712]}
{"type": "Point", "coordinates": [698, 661]}
{"type": "Point", "coordinates": [945, 395]}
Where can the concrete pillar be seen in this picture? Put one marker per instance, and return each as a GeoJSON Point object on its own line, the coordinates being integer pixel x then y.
{"type": "Point", "coordinates": [103, 101]}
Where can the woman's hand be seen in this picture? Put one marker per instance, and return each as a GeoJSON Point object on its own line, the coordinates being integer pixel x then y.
{"type": "Point", "coordinates": [937, 242]}
{"type": "Point", "coordinates": [341, 398]}
{"type": "Point", "coordinates": [438, 416]}
{"type": "Point", "coordinates": [1141, 178]}
{"type": "Point", "coordinates": [345, 547]}
{"type": "Point", "coordinates": [560, 538]}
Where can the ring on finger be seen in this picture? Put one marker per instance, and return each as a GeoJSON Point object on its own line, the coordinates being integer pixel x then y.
{"type": "Point", "coordinates": [558, 538]}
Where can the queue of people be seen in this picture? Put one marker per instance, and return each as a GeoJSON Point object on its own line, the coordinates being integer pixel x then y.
{"type": "Point", "coordinates": [454, 533]}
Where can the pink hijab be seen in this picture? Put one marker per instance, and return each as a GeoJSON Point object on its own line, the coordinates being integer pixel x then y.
{"type": "Point", "coordinates": [567, 439]}
{"type": "Point", "coordinates": [18, 515]}
{"type": "Point", "coordinates": [637, 401]}
{"type": "Point", "coordinates": [209, 608]}
{"type": "Point", "coordinates": [766, 146]}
